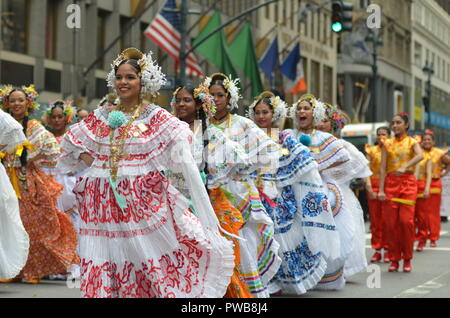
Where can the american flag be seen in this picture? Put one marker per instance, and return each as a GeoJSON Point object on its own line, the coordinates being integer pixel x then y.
{"type": "Point", "coordinates": [165, 32]}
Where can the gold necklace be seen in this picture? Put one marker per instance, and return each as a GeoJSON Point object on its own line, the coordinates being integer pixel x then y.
{"type": "Point", "coordinates": [221, 120]}
{"type": "Point", "coordinates": [118, 145]}
{"type": "Point", "coordinates": [126, 109]}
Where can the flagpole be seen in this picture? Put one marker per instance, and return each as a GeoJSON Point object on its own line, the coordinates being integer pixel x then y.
{"type": "Point", "coordinates": [183, 33]}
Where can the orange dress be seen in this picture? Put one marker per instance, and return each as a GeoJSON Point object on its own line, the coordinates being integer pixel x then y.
{"type": "Point", "coordinates": [377, 226]}
{"type": "Point", "coordinates": [428, 209]}
{"type": "Point", "coordinates": [231, 220]}
{"type": "Point", "coordinates": [53, 239]}
{"type": "Point", "coordinates": [401, 192]}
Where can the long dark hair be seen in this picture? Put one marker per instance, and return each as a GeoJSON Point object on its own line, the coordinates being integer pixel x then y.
{"type": "Point", "coordinates": [405, 118]}
{"type": "Point", "coordinates": [201, 116]}
{"type": "Point", "coordinates": [132, 62]}
{"type": "Point", "coordinates": [23, 157]}
{"type": "Point", "coordinates": [201, 113]}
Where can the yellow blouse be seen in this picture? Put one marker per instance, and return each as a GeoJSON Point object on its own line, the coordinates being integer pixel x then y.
{"type": "Point", "coordinates": [436, 155]}
{"type": "Point", "coordinates": [399, 152]}
{"type": "Point", "coordinates": [422, 166]}
{"type": "Point", "coordinates": [374, 153]}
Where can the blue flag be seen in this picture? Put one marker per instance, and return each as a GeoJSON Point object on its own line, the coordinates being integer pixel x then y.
{"type": "Point", "coordinates": [270, 60]}
{"type": "Point", "coordinates": [289, 66]}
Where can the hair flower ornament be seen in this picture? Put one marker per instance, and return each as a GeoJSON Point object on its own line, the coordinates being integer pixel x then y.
{"type": "Point", "coordinates": [68, 110]}
{"type": "Point", "coordinates": [208, 104]}
{"type": "Point", "coordinates": [231, 86]}
{"type": "Point", "coordinates": [278, 105]}
{"type": "Point", "coordinates": [152, 78]}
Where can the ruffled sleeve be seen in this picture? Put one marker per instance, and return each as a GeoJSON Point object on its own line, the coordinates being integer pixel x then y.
{"type": "Point", "coordinates": [356, 167]}
{"type": "Point", "coordinates": [72, 147]}
{"type": "Point", "coordinates": [43, 141]}
{"type": "Point", "coordinates": [178, 158]}
{"type": "Point", "coordinates": [296, 160]}
{"type": "Point", "coordinates": [327, 150]}
{"type": "Point", "coordinates": [224, 157]}
{"type": "Point", "coordinates": [261, 151]}
{"type": "Point", "coordinates": [11, 132]}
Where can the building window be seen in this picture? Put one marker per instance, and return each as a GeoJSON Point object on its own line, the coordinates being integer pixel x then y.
{"type": "Point", "coordinates": [52, 80]}
{"type": "Point", "coordinates": [417, 54]}
{"type": "Point", "coordinates": [314, 82]}
{"type": "Point", "coordinates": [51, 30]}
{"type": "Point", "coordinates": [101, 38]}
{"type": "Point", "coordinates": [276, 16]}
{"type": "Point", "coordinates": [145, 41]}
{"type": "Point", "coordinates": [327, 83]}
{"type": "Point", "coordinates": [100, 88]}
{"type": "Point", "coordinates": [125, 39]}
{"type": "Point", "coordinates": [16, 74]}
{"type": "Point", "coordinates": [363, 4]}
{"type": "Point", "coordinates": [14, 25]}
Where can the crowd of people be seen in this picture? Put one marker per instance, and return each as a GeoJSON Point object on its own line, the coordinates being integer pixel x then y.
{"type": "Point", "coordinates": [195, 201]}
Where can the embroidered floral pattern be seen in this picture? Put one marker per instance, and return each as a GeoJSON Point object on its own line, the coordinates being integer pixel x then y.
{"type": "Point", "coordinates": [152, 278]}
{"type": "Point", "coordinates": [314, 203]}
{"type": "Point", "coordinates": [297, 264]}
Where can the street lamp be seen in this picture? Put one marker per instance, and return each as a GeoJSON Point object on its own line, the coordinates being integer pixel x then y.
{"type": "Point", "coordinates": [429, 70]}
{"type": "Point", "coordinates": [376, 42]}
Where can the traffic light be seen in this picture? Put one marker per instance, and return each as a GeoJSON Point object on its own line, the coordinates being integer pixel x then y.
{"type": "Point", "coordinates": [341, 18]}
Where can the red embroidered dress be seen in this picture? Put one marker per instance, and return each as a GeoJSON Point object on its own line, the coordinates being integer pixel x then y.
{"type": "Point", "coordinates": [154, 247]}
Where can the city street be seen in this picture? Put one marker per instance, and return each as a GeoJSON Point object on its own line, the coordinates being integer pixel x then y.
{"type": "Point", "coordinates": [430, 278]}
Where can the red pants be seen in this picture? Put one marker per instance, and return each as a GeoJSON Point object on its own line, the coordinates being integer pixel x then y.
{"type": "Point", "coordinates": [399, 217]}
{"type": "Point", "coordinates": [428, 212]}
{"type": "Point", "coordinates": [377, 223]}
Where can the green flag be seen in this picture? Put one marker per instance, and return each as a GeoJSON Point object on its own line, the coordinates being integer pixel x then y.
{"type": "Point", "coordinates": [215, 49]}
{"type": "Point", "coordinates": [243, 55]}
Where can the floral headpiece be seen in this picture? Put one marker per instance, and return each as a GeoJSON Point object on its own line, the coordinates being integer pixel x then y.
{"type": "Point", "coordinates": [429, 132]}
{"type": "Point", "coordinates": [319, 108]}
{"type": "Point", "coordinates": [230, 86]}
{"type": "Point", "coordinates": [279, 107]}
{"type": "Point", "coordinates": [336, 118]}
{"type": "Point", "coordinates": [173, 102]}
{"type": "Point", "coordinates": [30, 93]}
{"type": "Point", "coordinates": [68, 110]}
{"type": "Point", "coordinates": [152, 78]}
{"type": "Point", "coordinates": [209, 106]}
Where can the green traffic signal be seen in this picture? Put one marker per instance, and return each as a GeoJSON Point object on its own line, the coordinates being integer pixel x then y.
{"type": "Point", "coordinates": [341, 17]}
{"type": "Point", "coordinates": [337, 27]}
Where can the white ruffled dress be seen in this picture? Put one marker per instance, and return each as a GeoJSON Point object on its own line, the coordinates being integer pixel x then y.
{"type": "Point", "coordinates": [154, 247]}
{"type": "Point", "coordinates": [328, 150]}
{"type": "Point", "coordinates": [296, 200]}
{"type": "Point", "coordinates": [259, 251]}
{"type": "Point", "coordinates": [356, 167]}
{"type": "Point", "coordinates": [14, 240]}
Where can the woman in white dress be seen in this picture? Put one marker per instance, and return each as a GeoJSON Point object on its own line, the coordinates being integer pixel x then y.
{"type": "Point", "coordinates": [356, 167]}
{"type": "Point", "coordinates": [138, 237]}
{"type": "Point", "coordinates": [330, 154]}
{"type": "Point", "coordinates": [295, 198]}
{"type": "Point", "coordinates": [14, 241]}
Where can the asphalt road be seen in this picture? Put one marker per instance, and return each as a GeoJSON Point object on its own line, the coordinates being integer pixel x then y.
{"type": "Point", "coordinates": [430, 278]}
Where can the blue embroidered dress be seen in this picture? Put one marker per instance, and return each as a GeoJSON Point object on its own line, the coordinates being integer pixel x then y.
{"type": "Point", "coordinates": [296, 200]}
{"type": "Point", "coordinates": [328, 151]}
